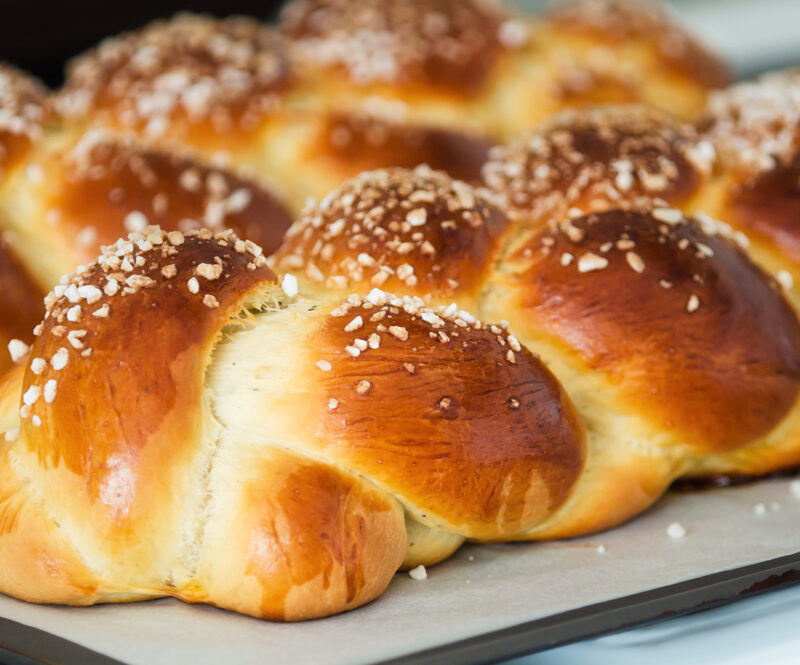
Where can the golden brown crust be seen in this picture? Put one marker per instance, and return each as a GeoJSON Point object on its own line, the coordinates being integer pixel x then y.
{"type": "Point", "coordinates": [450, 45]}
{"type": "Point", "coordinates": [302, 541]}
{"type": "Point", "coordinates": [118, 370]}
{"type": "Point", "coordinates": [190, 294]}
{"type": "Point", "coordinates": [486, 444]}
{"type": "Point", "coordinates": [130, 427]}
{"type": "Point", "coordinates": [109, 188]}
{"type": "Point", "coordinates": [124, 436]}
{"type": "Point", "coordinates": [624, 289]}
{"type": "Point", "coordinates": [22, 111]}
{"type": "Point", "coordinates": [351, 143]}
{"type": "Point", "coordinates": [593, 159]}
{"type": "Point", "coordinates": [39, 565]}
{"type": "Point", "coordinates": [616, 22]}
{"type": "Point", "coordinates": [191, 73]}
{"type": "Point", "coordinates": [417, 232]}
{"type": "Point", "coordinates": [21, 302]}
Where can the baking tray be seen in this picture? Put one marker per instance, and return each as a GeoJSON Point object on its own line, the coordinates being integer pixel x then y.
{"type": "Point", "coordinates": [488, 603]}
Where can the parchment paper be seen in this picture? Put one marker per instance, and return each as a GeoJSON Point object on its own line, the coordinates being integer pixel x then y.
{"type": "Point", "coordinates": [483, 588]}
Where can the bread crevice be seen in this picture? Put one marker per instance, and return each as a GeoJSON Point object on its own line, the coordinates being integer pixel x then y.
{"type": "Point", "coordinates": [266, 300]}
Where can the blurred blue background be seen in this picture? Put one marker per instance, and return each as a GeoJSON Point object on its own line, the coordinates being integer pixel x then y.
{"type": "Point", "coordinates": [754, 35]}
{"type": "Point", "coordinates": [756, 631]}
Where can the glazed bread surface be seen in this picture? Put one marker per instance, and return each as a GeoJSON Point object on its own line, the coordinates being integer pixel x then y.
{"type": "Point", "coordinates": [77, 197]}
{"type": "Point", "coordinates": [21, 306]}
{"type": "Point", "coordinates": [439, 60]}
{"type": "Point", "coordinates": [23, 115]}
{"type": "Point", "coordinates": [210, 83]}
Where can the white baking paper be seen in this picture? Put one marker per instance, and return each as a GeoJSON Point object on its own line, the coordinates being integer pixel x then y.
{"type": "Point", "coordinates": [482, 588]}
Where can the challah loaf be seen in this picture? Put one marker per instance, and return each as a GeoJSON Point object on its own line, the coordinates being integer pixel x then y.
{"type": "Point", "coordinates": [188, 424]}
{"type": "Point", "coordinates": [654, 323]}
{"type": "Point", "coordinates": [189, 428]}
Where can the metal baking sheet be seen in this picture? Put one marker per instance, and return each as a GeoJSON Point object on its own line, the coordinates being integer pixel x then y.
{"type": "Point", "coordinates": [487, 603]}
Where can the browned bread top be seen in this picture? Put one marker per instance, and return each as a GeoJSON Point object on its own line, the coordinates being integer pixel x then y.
{"type": "Point", "coordinates": [590, 159]}
{"type": "Point", "coordinates": [479, 413]}
{"type": "Point", "coordinates": [755, 128]}
{"type": "Point", "coordinates": [360, 142]}
{"type": "Point", "coordinates": [21, 306]}
{"type": "Point", "coordinates": [418, 232]}
{"type": "Point", "coordinates": [691, 332]}
{"type": "Point", "coordinates": [176, 360]}
{"type": "Point", "coordinates": [755, 125]}
{"type": "Point", "coordinates": [189, 72]}
{"type": "Point", "coordinates": [617, 22]}
{"type": "Point", "coordinates": [446, 44]}
{"type": "Point", "coordinates": [104, 188]}
{"type": "Point", "coordinates": [189, 286]}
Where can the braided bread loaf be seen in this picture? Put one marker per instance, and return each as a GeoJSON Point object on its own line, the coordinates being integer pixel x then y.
{"type": "Point", "coordinates": [188, 424]}
{"type": "Point", "coordinates": [289, 485]}
{"type": "Point", "coordinates": [278, 484]}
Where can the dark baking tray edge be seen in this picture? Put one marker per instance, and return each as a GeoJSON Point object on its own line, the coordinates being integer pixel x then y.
{"type": "Point", "coordinates": [24, 645]}
{"type": "Point", "coordinates": [612, 616]}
